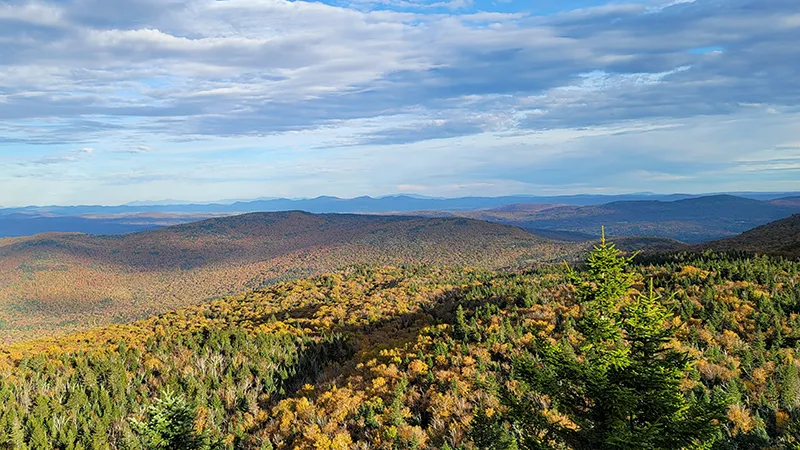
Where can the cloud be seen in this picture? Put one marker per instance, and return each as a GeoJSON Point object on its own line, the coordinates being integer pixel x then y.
{"type": "Point", "coordinates": [134, 149]}
{"type": "Point", "coordinates": [412, 4]}
{"type": "Point", "coordinates": [259, 67]}
{"type": "Point", "coordinates": [352, 79]}
{"type": "Point", "coordinates": [77, 155]}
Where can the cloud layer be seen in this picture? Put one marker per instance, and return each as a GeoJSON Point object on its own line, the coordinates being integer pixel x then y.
{"type": "Point", "coordinates": [203, 99]}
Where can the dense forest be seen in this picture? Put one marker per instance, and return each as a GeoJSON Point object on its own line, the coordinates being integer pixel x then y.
{"type": "Point", "coordinates": [781, 238]}
{"type": "Point", "coordinates": [687, 350]}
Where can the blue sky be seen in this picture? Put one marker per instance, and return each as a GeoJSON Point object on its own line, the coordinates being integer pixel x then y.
{"type": "Point", "coordinates": [109, 102]}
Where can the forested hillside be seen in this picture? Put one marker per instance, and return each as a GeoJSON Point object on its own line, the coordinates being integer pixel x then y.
{"type": "Point", "coordinates": [690, 220]}
{"type": "Point", "coordinates": [695, 350]}
{"type": "Point", "coordinates": [52, 284]}
{"type": "Point", "coordinates": [781, 237]}
{"type": "Point", "coordinates": [787, 201]}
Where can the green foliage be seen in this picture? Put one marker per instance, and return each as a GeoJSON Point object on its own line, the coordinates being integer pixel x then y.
{"type": "Point", "coordinates": [460, 326]}
{"type": "Point", "coordinates": [171, 426]}
{"type": "Point", "coordinates": [490, 434]}
{"type": "Point", "coordinates": [428, 358]}
{"type": "Point", "coordinates": [600, 289]}
{"type": "Point", "coordinates": [620, 388]}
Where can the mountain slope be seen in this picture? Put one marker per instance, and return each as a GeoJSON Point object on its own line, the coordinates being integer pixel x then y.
{"type": "Point", "coordinates": [388, 358]}
{"type": "Point", "coordinates": [781, 238]}
{"type": "Point", "coordinates": [787, 201]}
{"type": "Point", "coordinates": [63, 282]}
{"type": "Point", "coordinates": [688, 220]}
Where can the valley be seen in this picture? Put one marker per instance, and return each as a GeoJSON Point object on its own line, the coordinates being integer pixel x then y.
{"type": "Point", "coordinates": [58, 283]}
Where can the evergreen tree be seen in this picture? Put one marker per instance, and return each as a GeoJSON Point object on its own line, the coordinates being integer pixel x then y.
{"type": "Point", "coordinates": [170, 426]}
{"type": "Point", "coordinates": [460, 325]}
{"type": "Point", "coordinates": [658, 414]}
{"type": "Point", "coordinates": [600, 289]}
{"type": "Point", "coordinates": [620, 388]}
{"type": "Point", "coordinates": [789, 379]}
{"type": "Point", "coordinates": [489, 434]}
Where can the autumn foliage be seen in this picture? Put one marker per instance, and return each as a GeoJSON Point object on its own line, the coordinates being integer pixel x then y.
{"type": "Point", "coordinates": [420, 357]}
{"type": "Point", "coordinates": [55, 284]}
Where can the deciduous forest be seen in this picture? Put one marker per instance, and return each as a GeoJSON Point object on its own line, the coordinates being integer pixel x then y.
{"type": "Point", "coordinates": [691, 350]}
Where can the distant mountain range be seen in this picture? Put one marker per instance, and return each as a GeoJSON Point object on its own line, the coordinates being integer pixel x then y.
{"type": "Point", "coordinates": [328, 204]}
{"type": "Point", "coordinates": [686, 218]}
{"type": "Point", "coordinates": [27, 224]}
{"type": "Point", "coordinates": [571, 218]}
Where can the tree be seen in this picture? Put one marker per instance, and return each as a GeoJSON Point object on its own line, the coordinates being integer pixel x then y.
{"type": "Point", "coordinates": [620, 386]}
{"type": "Point", "coordinates": [460, 325]}
{"type": "Point", "coordinates": [489, 434]}
{"type": "Point", "coordinates": [601, 288]}
{"type": "Point", "coordinates": [170, 426]}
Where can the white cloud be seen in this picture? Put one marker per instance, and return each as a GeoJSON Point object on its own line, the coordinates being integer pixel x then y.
{"type": "Point", "coordinates": [34, 13]}
{"type": "Point", "coordinates": [195, 77]}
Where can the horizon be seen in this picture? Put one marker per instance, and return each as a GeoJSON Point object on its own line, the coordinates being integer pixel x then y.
{"type": "Point", "coordinates": [173, 202]}
{"type": "Point", "coordinates": [109, 103]}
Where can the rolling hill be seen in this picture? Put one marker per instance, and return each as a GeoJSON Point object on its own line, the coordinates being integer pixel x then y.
{"type": "Point", "coordinates": [54, 283]}
{"type": "Point", "coordinates": [689, 220]}
{"type": "Point", "coordinates": [780, 238]}
{"type": "Point", "coordinates": [787, 201]}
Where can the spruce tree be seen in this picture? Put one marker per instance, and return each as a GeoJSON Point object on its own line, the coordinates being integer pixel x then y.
{"type": "Point", "coordinates": [170, 426]}
{"type": "Point", "coordinates": [620, 386]}
{"type": "Point", "coordinates": [460, 324]}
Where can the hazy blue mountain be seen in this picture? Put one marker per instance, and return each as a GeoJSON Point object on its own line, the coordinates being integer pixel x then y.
{"type": "Point", "coordinates": [688, 220]}
{"type": "Point", "coordinates": [678, 216]}
{"type": "Point", "coordinates": [328, 204]}
{"type": "Point", "coordinates": [27, 224]}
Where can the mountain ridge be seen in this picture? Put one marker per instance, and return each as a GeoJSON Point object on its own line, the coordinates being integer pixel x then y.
{"type": "Point", "coordinates": [388, 203]}
{"type": "Point", "coordinates": [683, 216]}
{"type": "Point", "coordinates": [781, 238]}
{"type": "Point", "coordinates": [690, 220]}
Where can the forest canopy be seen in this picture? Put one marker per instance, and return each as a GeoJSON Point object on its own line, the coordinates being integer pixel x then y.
{"type": "Point", "coordinates": [693, 350]}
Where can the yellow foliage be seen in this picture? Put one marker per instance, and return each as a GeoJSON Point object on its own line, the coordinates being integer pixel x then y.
{"type": "Point", "coordinates": [417, 367]}
{"type": "Point", "coordinates": [741, 419]}
{"type": "Point", "coordinates": [782, 421]}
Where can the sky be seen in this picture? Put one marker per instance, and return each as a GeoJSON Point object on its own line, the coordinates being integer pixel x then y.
{"type": "Point", "coordinates": [107, 102]}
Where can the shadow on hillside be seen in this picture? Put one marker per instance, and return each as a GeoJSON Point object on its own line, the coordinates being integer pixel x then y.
{"type": "Point", "coordinates": [369, 339]}
{"type": "Point", "coordinates": [312, 361]}
{"type": "Point", "coordinates": [331, 362]}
